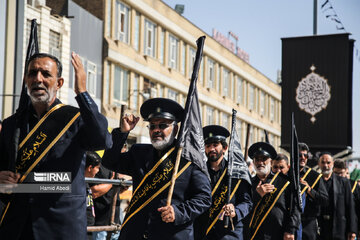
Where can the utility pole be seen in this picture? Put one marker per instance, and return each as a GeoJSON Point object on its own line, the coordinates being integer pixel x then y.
{"type": "Point", "coordinates": [315, 18]}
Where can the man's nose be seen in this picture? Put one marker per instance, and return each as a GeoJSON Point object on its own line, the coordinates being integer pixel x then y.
{"type": "Point", "coordinates": [39, 77]}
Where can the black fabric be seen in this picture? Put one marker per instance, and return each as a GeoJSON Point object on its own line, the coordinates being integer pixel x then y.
{"type": "Point", "coordinates": [332, 56]}
{"type": "Point", "coordinates": [279, 220]}
{"type": "Point", "coordinates": [319, 197]}
{"type": "Point", "coordinates": [56, 215]}
{"type": "Point", "coordinates": [341, 209]}
{"type": "Point", "coordinates": [191, 196]}
{"type": "Point", "coordinates": [103, 204]}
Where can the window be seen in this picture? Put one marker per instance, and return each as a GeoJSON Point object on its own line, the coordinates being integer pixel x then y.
{"type": "Point", "coordinates": [91, 78]}
{"type": "Point", "coordinates": [209, 115]}
{"type": "Point", "coordinates": [120, 89]}
{"type": "Point", "coordinates": [210, 73]}
{"type": "Point", "coordinates": [173, 52]}
{"type": "Point", "coordinates": [226, 81]}
{"type": "Point", "coordinates": [262, 135]}
{"type": "Point", "coordinates": [251, 97]}
{"type": "Point", "coordinates": [272, 108]}
{"type": "Point", "coordinates": [192, 55]}
{"type": "Point", "coordinates": [251, 135]}
{"type": "Point", "coordinates": [218, 116]}
{"type": "Point", "coordinates": [135, 92]}
{"type": "Point", "coordinates": [55, 44]}
{"type": "Point", "coordinates": [218, 78]}
{"type": "Point", "coordinates": [173, 95]}
{"type": "Point", "coordinates": [262, 103]}
{"type": "Point", "coordinates": [201, 73]}
{"type": "Point", "coordinates": [122, 22]}
{"type": "Point", "coordinates": [238, 128]}
{"type": "Point", "coordinates": [232, 87]}
{"type": "Point", "coordinates": [107, 83]}
{"type": "Point", "coordinates": [240, 84]}
{"type": "Point", "coordinates": [161, 91]}
{"type": "Point", "coordinates": [162, 46]}
{"type": "Point", "coordinates": [137, 31]}
{"type": "Point", "coordinates": [149, 89]}
{"type": "Point", "coordinates": [183, 58]}
{"type": "Point", "coordinates": [182, 100]}
{"type": "Point", "coordinates": [225, 120]}
{"type": "Point", "coordinates": [149, 38]}
{"type": "Point", "coordinates": [108, 18]}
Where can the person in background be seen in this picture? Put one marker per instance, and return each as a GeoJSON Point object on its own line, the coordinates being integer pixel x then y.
{"type": "Point", "coordinates": [92, 166]}
{"type": "Point", "coordinates": [280, 164]}
{"type": "Point", "coordinates": [342, 170]}
{"type": "Point", "coordinates": [270, 218]}
{"type": "Point", "coordinates": [337, 219]}
{"type": "Point", "coordinates": [313, 186]}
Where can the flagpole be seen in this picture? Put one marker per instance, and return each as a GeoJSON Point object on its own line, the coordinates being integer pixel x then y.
{"type": "Point", "coordinates": [226, 220]}
{"type": "Point", "coordinates": [173, 178]}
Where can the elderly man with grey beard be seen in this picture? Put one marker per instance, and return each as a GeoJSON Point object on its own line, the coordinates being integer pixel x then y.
{"type": "Point", "coordinates": [337, 218]}
{"type": "Point", "coordinates": [151, 165]}
{"type": "Point", "coordinates": [270, 218]}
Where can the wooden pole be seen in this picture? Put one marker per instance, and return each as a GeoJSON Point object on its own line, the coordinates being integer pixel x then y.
{"type": "Point", "coordinates": [173, 178]}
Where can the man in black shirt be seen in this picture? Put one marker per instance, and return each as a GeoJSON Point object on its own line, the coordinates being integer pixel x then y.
{"type": "Point", "coordinates": [316, 195]}
{"type": "Point", "coordinates": [337, 219]}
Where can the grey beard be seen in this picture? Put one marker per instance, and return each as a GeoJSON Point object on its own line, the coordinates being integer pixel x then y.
{"type": "Point", "coordinates": [50, 94]}
{"type": "Point", "coordinates": [263, 171]}
{"type": "Point", "coordinates": [163, 144]}
{"type": "Point", "coordinates": [327, 172]}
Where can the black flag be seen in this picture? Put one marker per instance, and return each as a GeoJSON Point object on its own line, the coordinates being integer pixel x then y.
{"type": "Point", "coordinates": [294, 165]}
{"type": "Point", "coordinates": [266, 137]}
{"type": "Point", "coordinates": [33, 47]}
{"type": "Point", "coordinates": [191, 137]}
{"type": "Point", "coordinates": [237, 165]}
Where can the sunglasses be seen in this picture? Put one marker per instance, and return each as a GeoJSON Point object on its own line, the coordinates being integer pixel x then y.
{"type": "Point", "coordinates": [303, 154]}
{"type": "Point", "coordinates": [161, 126]}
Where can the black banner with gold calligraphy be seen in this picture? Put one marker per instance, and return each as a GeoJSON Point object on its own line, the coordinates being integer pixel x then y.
{"type": "Point", "coordinates": [219, 197]}
{"type": "Point", "coordinates": [154, 183]}
{"type": "Point", "coordinates": [34, 147]}
{"type": "Point", "coordinates": [43, 136]}
{"type": "Point", "coordinates": [311, 177]}
{"type": "Point", "coordinates": [317, 86]}
{"type": "Point", "coordinates": [267, 202]}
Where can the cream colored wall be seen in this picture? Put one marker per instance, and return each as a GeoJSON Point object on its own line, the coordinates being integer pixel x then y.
{"type": "Point", "coordinates": [165, 17]}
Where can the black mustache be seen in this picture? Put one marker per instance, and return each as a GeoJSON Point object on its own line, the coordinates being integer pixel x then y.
{"type": "Point", "coordinates": [157, 134]}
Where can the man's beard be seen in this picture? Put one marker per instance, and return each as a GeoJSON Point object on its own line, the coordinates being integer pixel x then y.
{"type": "Point", "coordinates": [45, 98]}
{"type": "Point", "coordinates": [263, 171]}
{"type": "Point", "coordinates": [326, 172]}
{"type": "Point", "coordinates": [214, 158]}
{"type": "Point", "coordinates": [163, 144]}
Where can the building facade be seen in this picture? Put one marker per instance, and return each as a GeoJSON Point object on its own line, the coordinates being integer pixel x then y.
{"type": "Point", "coordinates": [149, 51]}
{"type": "Point", "coordinates": [134, 50]}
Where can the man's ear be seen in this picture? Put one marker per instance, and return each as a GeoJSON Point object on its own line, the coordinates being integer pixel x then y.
{"type": "Point", "coordinates": [60, 82]}
{"type": "Point", "coordinates": [176, 128]}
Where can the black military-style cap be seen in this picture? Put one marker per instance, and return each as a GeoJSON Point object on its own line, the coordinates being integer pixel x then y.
{"type": "Point", "coordinates": [162, 108]}
{"type": "Point", "coordinates": [215, 133]}
{"type": "Point", "coordinates": [262, 149]}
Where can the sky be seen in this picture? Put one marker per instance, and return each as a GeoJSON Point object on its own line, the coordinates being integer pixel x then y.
{"type": "Point", "coordinates": [260, 25]}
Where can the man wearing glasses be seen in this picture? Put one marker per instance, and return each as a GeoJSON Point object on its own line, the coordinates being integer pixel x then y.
{"type": "Point", "coordinates": [271, 217]}
{"type": "Point", "coordinates": [151, 165]}
{"type": "Point", "coordinates": [316, 195]}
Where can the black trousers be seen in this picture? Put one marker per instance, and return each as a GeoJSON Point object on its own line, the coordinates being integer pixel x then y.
{"type": "Point", "coordinates": [309, 229]}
